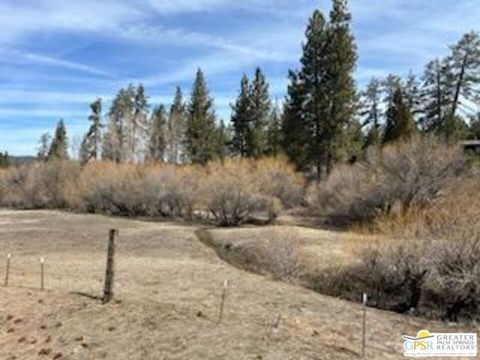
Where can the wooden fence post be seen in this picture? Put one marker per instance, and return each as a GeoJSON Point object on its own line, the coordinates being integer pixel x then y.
{"type": "Point", "coordinates": [7, 272]}
{"type": "Point", "coordinates": [110, 272]}
{"type": "Point", "coordinates": [42, 273]}
{"type": "Point", "coordinates": [364, 322]}
{"type": "Point", "coordinates": [224, 294]}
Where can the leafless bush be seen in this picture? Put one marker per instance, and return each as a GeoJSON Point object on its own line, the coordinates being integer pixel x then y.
{"type": "Point", "coordinates": [232, 191]}
{"type": "Point", "coordinates": [230, 194]}
{"type": "Point", "coordinates": [278, 254]}
{"type": "Point", "coordinates": [401, 176]}
{"type": "Point", "coordinates": [278, 179]}
{"type": "Point", "coordinates": [110, 188]}
{"type": "Point", "coordinates": [273, 252]}
{"type": "Point", "coordinates": [427, 262]}
{"type": "Point", "coordinates": [393, 275]}
{"type": "Point", "coordinates": [40, 185]}
{"type": "Point", "coordinates": [171, 191]}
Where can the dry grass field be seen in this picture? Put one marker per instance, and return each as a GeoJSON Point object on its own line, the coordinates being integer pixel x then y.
{"type": "Point", "coordinates": [168, 290]}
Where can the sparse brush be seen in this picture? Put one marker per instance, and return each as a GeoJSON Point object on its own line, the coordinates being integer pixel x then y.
{"type": "Point", "coordinates": [232, 191]}
{"type": "Point", "coordinates": [428, 260]}
{"type": "Point", "coordinates": [394, 180]}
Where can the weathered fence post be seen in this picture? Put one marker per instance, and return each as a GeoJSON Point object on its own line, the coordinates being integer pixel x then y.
{"type": "Point", "coordinates": [364, 322]}
{"type": "Point", "coordinates": [42, 273]}
{"type": "Point", "coordinates": [7, 272]}
{"type": "Point", "coordinates": [110, 272]}
{"type": "Point", "coordinates": [222, 304]}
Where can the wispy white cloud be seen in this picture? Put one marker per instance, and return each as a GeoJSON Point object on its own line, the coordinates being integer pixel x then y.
{"type": "Point", "coordinates": [23, 18]}
{"type": "Point", "coordinates": [17, 57]}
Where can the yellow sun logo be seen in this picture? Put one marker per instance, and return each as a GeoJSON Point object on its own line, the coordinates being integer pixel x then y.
{"type": "Point", "coordinates": [423, 334]}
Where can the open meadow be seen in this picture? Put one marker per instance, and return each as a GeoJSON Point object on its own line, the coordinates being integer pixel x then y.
{"type": "Point", "coordinates": [167, 297]}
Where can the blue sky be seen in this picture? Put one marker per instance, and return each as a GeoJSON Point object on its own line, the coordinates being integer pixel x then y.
{"type": "Point", "coordinates": [56, 56]}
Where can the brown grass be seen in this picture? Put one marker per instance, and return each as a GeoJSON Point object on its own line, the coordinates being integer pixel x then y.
{"type": "Point", "coordinates": [169, 288]}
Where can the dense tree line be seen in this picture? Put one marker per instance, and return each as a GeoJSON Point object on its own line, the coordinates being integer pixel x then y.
{"type": "Point", "coordinates": [324, 118]}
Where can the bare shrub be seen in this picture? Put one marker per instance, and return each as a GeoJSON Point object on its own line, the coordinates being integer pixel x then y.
{"type": "Point", "coordinates": [392, 273]}
{"type": "Point", "coordinates": [40, 185]}
{"type": "Point", "coordinates": [112, 189]}
{"type": "Point", "coordinates": [277, 178]}
{"type": "Point", "coordinates": [401, 176]}
{"type": "Point", "coordinates": [274, 252]}
{"type": "Point", "coordinates": [171, 191]}
{"type": "Point", "coordinates": [230, 191]}
{"type": "Point", "coordinates": [428, 262]}
{"type": "Point", "coordinates": [278, 254]}
{"type": "Point", "coordinates": [351, 193]}
{"type": "Point", "coordinates": [230, 194]}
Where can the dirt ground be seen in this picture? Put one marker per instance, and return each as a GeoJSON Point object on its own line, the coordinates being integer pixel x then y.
{"type": "Point", "coordinates": [167, 298]}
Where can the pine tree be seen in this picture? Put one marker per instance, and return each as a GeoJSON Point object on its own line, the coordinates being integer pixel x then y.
{"type": "Point", "coordinates": [372, 113]}
{"type": "Point", "coordinates": [90, 147]}
{"type": "Point", "coordinates": [340, 65]}
{"type": "Point", "coordinates": [274, 133]}
{"type": "Point", "coordinates": [412, 94]}
{"type": "Point", "coordinates": [350, 143]}
{"type": "Point", "coordinates": [157, 142]}
{"type": "Point", "coordinates": [464, 62]}
{"type": "Point", "coordinates": [176, 128]}
{"type": "Point", "coordinates": [240, 120]}
{"type": "Point", "coordinates": [113, 147]}
{"type": "Point", "coordinates": [135, 125]}
{"type": "Point", "coordinates": [59, 147]}
{"type": "Point", "coordinates": [260, 108]}
{"type": "Point", "coordinates": [296, 128]}
{"type": "Point", "coordinates": [201, 134]}
{"type": "Point", "coordinates": [399, 120]}
{"type": "Point", "coordinates": [44, 147]}
{"type": "Point", "coordinates": [314, 101]}
{"type": "Point", "coordinates": [437, 97]}
{"type": "Point", "coordinates": [328, 102]}
{"type": "Point", "coordinates": [223, 139]}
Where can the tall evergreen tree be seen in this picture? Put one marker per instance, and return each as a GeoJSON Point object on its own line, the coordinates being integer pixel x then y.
{"type": "Point", "coordinates": [437, 97]}
{"type": "Point", "coordinates": [260, 108]}
{"type": "Point", "coordinates": [176, 128]}
{"type": "Point", "coordinates": [312, 81]}
{"type": "Point", "coordinates": [274, 133]}
{"type": "Point", "coordinates": [328, 102]}
{"type": "Point", "coordinates": [90, 147]}
{"type": "Point", "coordinates": [340, 65]}
{"type": "Point", "coordinates": [413, 94]}
{"type": "Point", "coordinates": [223, 140]}
{"type": "Point", "coordinates": [464, 62]}
{"type": "Point", "coordinates": [114, 141]}
{"type": "Point", "coordinates": [201, 134]}
{"type": "Point", "coordinates": [59, 147]}
{"type": "Point", "coordinates": [241, 116]}
{"type": "Point", "coordinates": [157, 141]}
{"type": "Point", "coordinates": [372, 112]}
{"type": "Point", "coordinates": [296, 127]}
{"type": "Point", "coordinates": [136, 124]}
{"type": "Point", "coordinates": [44, 147]}
{"type": "Point", "coordinates": [399, 122]}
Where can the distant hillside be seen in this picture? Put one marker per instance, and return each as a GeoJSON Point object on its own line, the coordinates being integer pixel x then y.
{"type": "Point", "coordinates": [21, 160]}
